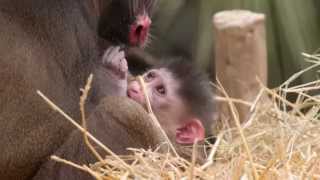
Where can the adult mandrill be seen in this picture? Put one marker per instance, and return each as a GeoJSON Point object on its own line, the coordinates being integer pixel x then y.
{"type": "Point", "coordinates": [52, 46]}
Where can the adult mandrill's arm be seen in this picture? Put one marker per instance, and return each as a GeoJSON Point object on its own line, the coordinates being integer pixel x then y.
{"type": "Point", "coordinates": [119, 123]}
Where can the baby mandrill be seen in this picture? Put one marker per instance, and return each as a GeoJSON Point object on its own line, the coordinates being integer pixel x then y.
{"type": "Point", "coordinates": [181, 96]}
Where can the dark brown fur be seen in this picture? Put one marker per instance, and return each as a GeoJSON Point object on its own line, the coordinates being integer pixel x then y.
{"type": "Point", "coordinates": [139, 61]}
{"type": "Point", "coordinates": [50, 46]}
{"type": "Point", "coordinates": [133, 126]}
{"type": "Point", "coordinates": [127, 127]}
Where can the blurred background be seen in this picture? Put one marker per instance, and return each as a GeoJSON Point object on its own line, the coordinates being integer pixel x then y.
{"type": "Point", "coordinates": [184, 28]}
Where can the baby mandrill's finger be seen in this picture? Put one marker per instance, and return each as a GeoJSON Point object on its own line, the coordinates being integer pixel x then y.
{"type": "Point", "coordinates": [114, 52]}
{"type": "Point", "coordinates": [120, 55]}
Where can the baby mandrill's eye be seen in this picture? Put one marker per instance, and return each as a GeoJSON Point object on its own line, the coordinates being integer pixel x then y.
{"type": "Point", "coordinates": [161, 90]}
{"type": "Point", "coordinates": [151, 75]}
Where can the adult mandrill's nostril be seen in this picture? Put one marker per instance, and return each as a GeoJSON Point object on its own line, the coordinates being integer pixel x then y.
{"type": "Point", "coordinates": [138, 30]}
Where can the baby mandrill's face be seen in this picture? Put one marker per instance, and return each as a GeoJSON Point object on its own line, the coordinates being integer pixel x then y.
{"type": "Point", "coordinates": [160, 88]}
{"type": "Point", "coordinates": [167, 105]}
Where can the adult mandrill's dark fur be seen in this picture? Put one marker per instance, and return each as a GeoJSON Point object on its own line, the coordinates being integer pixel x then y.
{"type": "Point", "coordinates": [128, 126]}
{"type": "Point", "coordinates": [52, 46]}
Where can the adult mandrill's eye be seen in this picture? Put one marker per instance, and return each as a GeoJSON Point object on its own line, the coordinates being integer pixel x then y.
{"type": "Point", "coordinates": [161, 90]}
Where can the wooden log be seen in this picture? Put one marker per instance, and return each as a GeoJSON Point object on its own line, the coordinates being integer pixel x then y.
{"type": "Point", "coordinates": [240, 56]}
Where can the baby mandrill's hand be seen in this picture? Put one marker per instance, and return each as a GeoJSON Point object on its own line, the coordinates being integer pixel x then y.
{"type": "Point", "coordinates": [114, 60]}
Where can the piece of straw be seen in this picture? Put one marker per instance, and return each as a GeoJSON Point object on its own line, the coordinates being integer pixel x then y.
{"type": "Point", "coordinates": [82, 102]}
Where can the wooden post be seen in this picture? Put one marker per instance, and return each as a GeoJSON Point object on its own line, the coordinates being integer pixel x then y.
{"type": "Point", "coordinates": [240, 56]}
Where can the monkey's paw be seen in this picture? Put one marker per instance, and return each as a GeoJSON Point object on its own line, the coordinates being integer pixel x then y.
{"type": "Point", "coordinates": [114, 60]}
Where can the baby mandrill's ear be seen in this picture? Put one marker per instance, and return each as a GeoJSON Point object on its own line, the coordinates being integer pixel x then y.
{"type": "Point", "coordinates": [190, 132]}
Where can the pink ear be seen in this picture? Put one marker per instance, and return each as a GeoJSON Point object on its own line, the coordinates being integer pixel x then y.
{"type": "Point", "coordinates": [190, 132]}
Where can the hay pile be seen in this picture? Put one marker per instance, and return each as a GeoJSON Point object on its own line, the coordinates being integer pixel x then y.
{"type": "Point", "coordinates": [280, 140]}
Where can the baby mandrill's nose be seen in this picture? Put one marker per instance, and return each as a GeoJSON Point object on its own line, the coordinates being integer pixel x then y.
{"type": "Point", "coordinates": [134, 86]}
{"type": "Point", "coordinates": [134, 92]}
